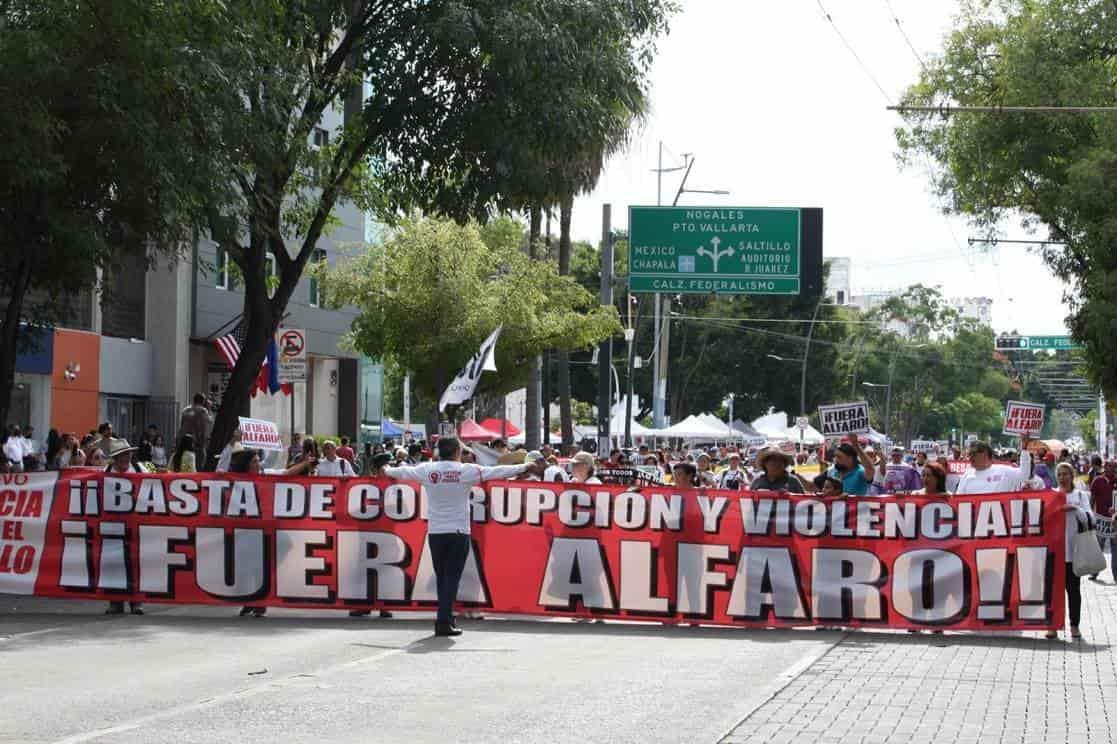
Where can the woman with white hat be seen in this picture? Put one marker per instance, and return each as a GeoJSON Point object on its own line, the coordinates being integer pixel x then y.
{"type": "Point", "coordinates": [120, 461]}
{"type": "Point", "coordinates": [582, 467]}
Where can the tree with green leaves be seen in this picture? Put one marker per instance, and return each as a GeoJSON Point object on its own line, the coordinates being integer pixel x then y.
{"type": "Point", "coordinates": [1054, 170]}
{"type": "Point", "coordinates": [414, 82]}
{"type": "Point", "coordinates": [433, 290]}
{"type": "Point", "coordinates": [97, 162]}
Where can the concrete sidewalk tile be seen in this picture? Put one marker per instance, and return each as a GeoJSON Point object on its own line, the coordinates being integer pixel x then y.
{"type": "Point", "coordinates": [964, 687]}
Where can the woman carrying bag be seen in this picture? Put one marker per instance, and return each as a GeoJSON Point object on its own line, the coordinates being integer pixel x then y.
{"type": "Point", "coordinates": [1082, 550]}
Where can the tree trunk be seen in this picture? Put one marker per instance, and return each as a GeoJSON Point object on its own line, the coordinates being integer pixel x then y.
{"type": "Point", "coordinates": [261, 323]}
{"type": "Point", "coordinates": [567, 420]}
{"type": "Point", "coordinates": [9, 338]}
{"type": "Point", "coordinates": [532, 423]}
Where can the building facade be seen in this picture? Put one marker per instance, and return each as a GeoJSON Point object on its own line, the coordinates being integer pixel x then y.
{"type": "Point", "coordinates": [136, 353]}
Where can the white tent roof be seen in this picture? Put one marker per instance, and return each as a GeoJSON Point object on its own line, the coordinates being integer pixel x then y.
{"type": "Point", "coordinates": [693, 427]}
{"type": "Point", "coordinates": [811, 435]}
{"type": "Point", "coordinates": [772, 425]}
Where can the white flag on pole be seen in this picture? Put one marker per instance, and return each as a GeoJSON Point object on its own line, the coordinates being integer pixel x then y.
{"type": "Point", "coordinates": [463, 386]}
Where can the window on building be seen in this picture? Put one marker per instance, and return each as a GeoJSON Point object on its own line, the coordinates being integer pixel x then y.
{"type": "Point", "coordinates": [124, 300]}
{"type": "Point", "coordinates": [841, 297]}
{"type": "Point", "coordinates": [315, 290]}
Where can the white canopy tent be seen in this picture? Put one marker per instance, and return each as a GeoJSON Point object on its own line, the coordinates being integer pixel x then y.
{"type": "Point", "coordinates": [694, 427]}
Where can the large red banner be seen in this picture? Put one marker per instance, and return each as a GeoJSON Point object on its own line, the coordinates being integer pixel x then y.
{"type": "Point", "coordinates": [719, 557]}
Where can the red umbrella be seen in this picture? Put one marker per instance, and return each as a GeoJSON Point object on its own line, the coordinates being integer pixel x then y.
{"type": "Point", "coordinates": [501, 427]}
{"type": "Point", "coordinates": [471, 431]}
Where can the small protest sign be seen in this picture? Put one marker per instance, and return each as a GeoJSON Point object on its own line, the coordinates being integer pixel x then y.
{"type": "Point", "coordinates": [260, 434]}
{"type": "Point", "coordinates": [1022, 418]}
{"type": "Point", "coordinates": [844, 418]}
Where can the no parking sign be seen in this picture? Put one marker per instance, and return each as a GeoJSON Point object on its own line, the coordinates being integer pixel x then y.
{"type": "Point", "coordinates": [292, 355]}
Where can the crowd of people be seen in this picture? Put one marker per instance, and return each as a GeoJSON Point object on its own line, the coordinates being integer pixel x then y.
{"type": "Point", "coordinates": [846, 469]}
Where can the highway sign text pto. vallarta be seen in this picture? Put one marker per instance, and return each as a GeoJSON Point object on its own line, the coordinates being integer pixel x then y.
{"type": "Point", "coordinates": [722, 250]}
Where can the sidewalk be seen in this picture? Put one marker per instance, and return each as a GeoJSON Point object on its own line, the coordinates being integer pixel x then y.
{"type": "Point", "coordinates": [958, 687]}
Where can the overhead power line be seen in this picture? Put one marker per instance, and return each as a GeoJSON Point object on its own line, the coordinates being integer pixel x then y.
{"type": "Point", "coordinates": [904, 33]}
{"type": "Point", "coordinates": [852, 51]}
{"type": "Point", "coordinates": [946, 109]}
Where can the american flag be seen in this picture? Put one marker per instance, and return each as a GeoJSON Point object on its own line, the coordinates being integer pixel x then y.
{"type": "Point", "coordinates": [229, 345]}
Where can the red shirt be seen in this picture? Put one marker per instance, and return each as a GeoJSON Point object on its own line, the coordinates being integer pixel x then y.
{"type": "Point", "coordinates": [347, 453]}
{"type": "Point", "coordinates": [1101, 495]}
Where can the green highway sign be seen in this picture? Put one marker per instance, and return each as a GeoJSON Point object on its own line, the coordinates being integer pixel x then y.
{"type": "Point", "coordinates": [724, 250]}
{"type": "Point", "coordinates": [1036, 343]}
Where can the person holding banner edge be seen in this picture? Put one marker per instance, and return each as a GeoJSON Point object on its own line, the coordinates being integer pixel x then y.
{"type": "Point", "coordinates": [448, 483]}
{"type": "Point", "coordinates": [1077, 517]}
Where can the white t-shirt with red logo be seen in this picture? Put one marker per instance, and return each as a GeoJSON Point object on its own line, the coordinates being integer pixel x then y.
{"type": "Point", "coordinates": [448, 484]}
{"type": "Point", "coordinates": [996, 478]}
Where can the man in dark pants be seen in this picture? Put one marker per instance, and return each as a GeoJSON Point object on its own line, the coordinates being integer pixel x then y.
{"type": "Point", "coordinates": [448, 483]}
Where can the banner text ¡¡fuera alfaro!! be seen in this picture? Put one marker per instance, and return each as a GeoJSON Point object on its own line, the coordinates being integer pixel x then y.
{"type": "Point", "coordinates": [728, 558]}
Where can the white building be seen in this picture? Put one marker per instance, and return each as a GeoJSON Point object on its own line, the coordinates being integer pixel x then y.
{"type": "Point", "coordinates": [974, 308]}
{"type": "Point", "coordinates": [838, 284]}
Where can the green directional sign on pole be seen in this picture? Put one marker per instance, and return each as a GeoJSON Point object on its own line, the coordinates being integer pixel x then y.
{"type": "Point", "coordinates": [1036, 343]}
{"type": "Point", "coordinates": [723, 250]}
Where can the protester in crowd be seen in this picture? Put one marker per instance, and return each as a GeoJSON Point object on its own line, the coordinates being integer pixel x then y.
{"type": "Point", "coordinates": [985, 477]}
{"type": "Point", "coordinates": [448, 484]}
{"type": "Point", "coordinates": [774, 475]}
{"type": "Point", "coordinates": [831, 486]}
{"type": "Point", "coordinates": [120, 455]}
{"type": "Point", "coordinates": [104, 437]}
{"type": "Point", "coordinates": [55, 445]}
{"type": "Point", "coordinates": [1096, 469]}
{"type": "Point", "coordinates": [158, 452]}
{"type": "Point", "coordinates": [13, 449]}
{"type": "Point", "coordinates": [377, 464]}
{"type": "Point", "coordinates": [685, 475]}
{"type": "Point", "coordinates": [1077, 518]}
{"type": "Point", "coordinates": [364, 460]}
{"type": "Point", "coordinates": [705, 477]}
{"type": "Point", "coordinates": [143, 449]}
{"type": "Point", "coordinates": [184, 459]}
{"type": "Point", "coordinates": [734, 477]}
{"type": "Point", "coordinates": [346, 452]}
{"type": "Point", "coordinates": [234, 445]}
{"type": "Point", "coordinates": [1044, 467]}
{"type": "Point", "coordinates": [307, 461]}
{"type": "Point", "coordinates": [68, 445]}
{"type": "Point", "coordinates": [900, 477]}
{"type": "Point", "coordinates": [920, 461]}
{"type": "Point", "coordinates": [933, 476]}
{"type": "Point", "coordinates": [248, 461]}
{"type": "Point", "coordinates": [77, 457]}
{"type": "Point", "coordinates": [582, 467]}
{"type": "Point", "coordinates": [332, 464]}
{"type": "Point", "coordinates": [295, 451]}
{"type": "Point", "coordinates": [195, 422]}
{"type": "Point", "coordinates": [1101, 504]}
{"type": "Point", "coordinates": [854, 467]}
{"type": "Point", "coordinates": [95, 458]}
{"type": "Point", "coordinates": [552, 472]}
{"type": "Point", "coordinates": [32, 456]}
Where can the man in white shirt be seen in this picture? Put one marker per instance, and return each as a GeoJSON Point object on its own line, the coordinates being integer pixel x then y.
{"type": "Point", "coordinates": [984, 477]}
{"type": "Point", "coordinates": [448, 483]}
{"type": "Point", "coordinates": [331, 464]}
{"type": "Point", "coordinates": [13, 449]}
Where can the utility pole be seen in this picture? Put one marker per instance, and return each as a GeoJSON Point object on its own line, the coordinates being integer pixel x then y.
{"type": "Point", "coordinates": [605, 352]}
{"type": "Point", "coordinates": [806, 354]}
{"type": "Point", "coordinates": [630, 337]}
{"type": "Point", "coordinates": [658, 384]}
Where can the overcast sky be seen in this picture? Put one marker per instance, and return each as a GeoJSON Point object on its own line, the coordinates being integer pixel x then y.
{"type": "Point", "coordinates": [778, 112]}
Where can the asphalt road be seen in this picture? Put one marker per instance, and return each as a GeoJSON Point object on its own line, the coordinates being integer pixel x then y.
{"type": "Point", "coordinates": [201, 674]}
